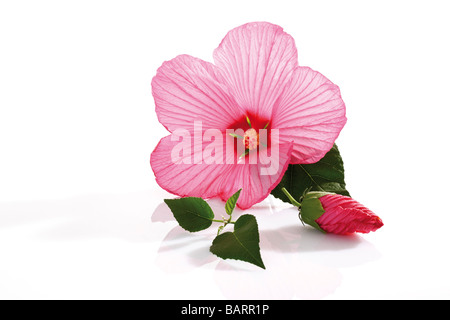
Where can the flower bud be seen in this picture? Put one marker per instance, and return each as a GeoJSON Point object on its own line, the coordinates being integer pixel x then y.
{"type": "Point", "coordinates": [338, 214]}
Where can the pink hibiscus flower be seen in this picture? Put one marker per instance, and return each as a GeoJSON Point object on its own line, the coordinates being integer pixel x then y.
{"type": "Point", "coordinates": [255, 83]}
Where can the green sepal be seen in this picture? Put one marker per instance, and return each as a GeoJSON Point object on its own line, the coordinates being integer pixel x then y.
{"type": "Point", "coordinates": [311, 208]}
{"type": "Point", "coordinates": [234, 135]}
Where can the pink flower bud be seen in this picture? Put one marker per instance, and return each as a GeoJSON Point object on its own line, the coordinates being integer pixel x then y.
{"type": "Point", "coordinates": [334, 213]}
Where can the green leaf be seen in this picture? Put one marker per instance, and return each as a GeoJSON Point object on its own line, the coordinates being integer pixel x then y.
{"type": "Point", "coordinates": [242, 244]}
{"type": "Point", "coordinates": [325, 175]}
{"type": "Point", "coordinates": [231, 202]}
{"type": "Point", "coordinates": [192, 214]}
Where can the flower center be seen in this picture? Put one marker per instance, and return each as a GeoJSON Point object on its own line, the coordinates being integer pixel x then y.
{"type": "Point", "coordinates": [248, 129]}
{"type": "Point", "coordinates": [251, 139]}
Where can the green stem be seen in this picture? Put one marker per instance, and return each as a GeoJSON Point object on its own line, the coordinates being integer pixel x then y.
{"type": "Point", "coordinates": [291, 198]}
{"type": "Point", "coordinates": [223, 221]}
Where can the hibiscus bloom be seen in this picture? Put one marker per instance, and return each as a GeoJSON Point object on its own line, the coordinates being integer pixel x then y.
{"type": "Point", "coordinates": [255, 83]}
{"type": "Point", "coordinates": [338, 214]}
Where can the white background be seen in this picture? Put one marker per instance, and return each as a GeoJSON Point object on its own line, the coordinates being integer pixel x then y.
{"type": "Point", "coordinates": [81, 216]}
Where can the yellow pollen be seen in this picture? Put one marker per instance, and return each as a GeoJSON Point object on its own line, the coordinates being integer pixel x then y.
{"type": "Point", "coordinates": [251, 139]}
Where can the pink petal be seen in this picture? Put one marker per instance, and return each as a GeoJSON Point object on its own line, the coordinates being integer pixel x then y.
{"type": "Point", "coordinates": [186, 180]}
{"type": "Point", "coordinates": [217, 180]}
{"type": "Point", "coordinates": [344, 215]}
{"type": "Point", "coordinates": [256, 186]}
{"type": "Point", "coordinates": [187, 89]}
{"type": "Point", "coordinates": [257, 59]}
{"type": "Point", "coordinates": [311, 113]}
